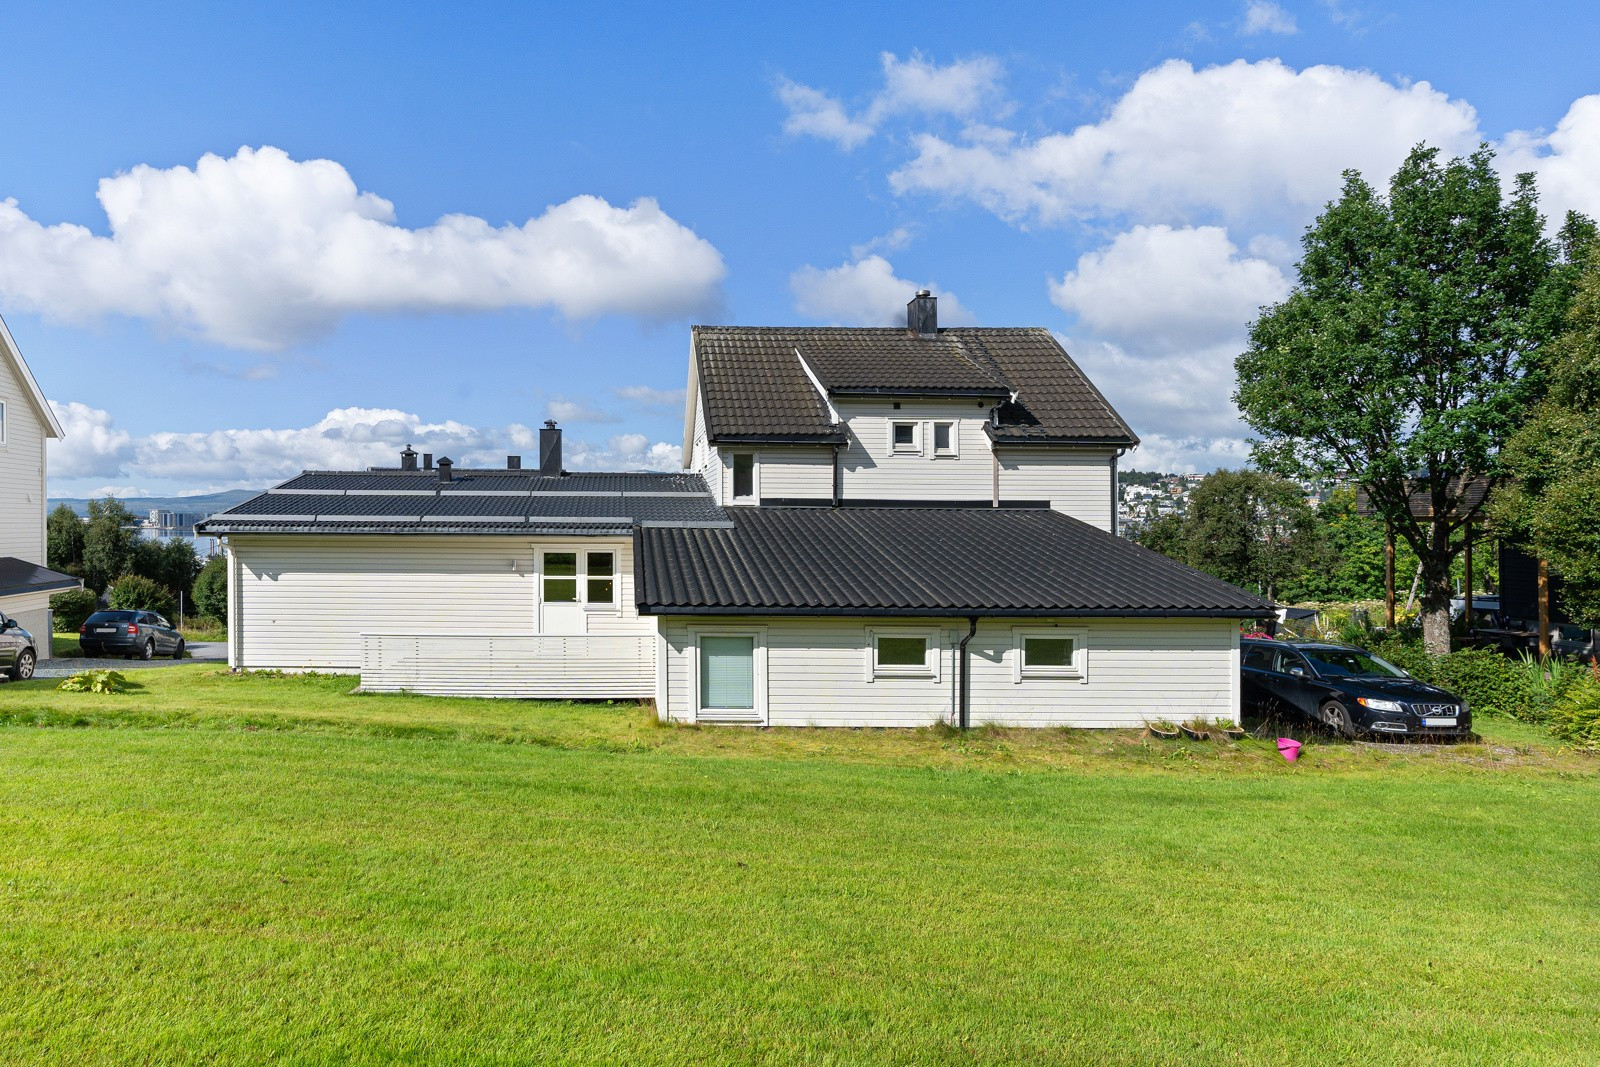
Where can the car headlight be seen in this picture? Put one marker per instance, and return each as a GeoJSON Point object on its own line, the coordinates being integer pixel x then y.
{"type": "Point", "coordinates": [1380, 705]}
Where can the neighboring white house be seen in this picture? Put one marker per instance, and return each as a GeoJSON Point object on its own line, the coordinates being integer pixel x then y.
{"type": "Point", "coordinates": [876, 527]}
{"type": "Point", "coordinates": [26, 421]}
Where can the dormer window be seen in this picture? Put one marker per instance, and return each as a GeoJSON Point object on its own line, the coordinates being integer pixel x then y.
{"type": "Point", "coordinates": [906, 437]}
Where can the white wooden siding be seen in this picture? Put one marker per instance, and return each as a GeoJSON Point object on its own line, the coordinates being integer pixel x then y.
{"type": "Point", "coordinates": [1076, 481]}
{"type": "Point", "coordinates": [803, 472]}
{"type": "Point", "coordinates": [871, 470]}
{"type": "Point", "coordinates": [616, 667]}
{"type": "Point", "coordinates": [22, 467]}
{"type": "Point", "coordinates": [1139, 670]}
{"type": "Point", "coordinates": [706, 461]}
{"type": "Point", "coordinates": [303, 602]}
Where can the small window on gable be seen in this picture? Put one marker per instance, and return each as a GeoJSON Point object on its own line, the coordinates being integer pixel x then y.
{"type": "Point", "coordinates": [902, 653]}
{"type": "Point", "coordinates": [944, 439]}
{"type": "Point", "coordinates": [1050, 653]}
{"type": "Point", "coordinates": [744, 476]}
{"type": "Point", "coordinates": [906, 437]}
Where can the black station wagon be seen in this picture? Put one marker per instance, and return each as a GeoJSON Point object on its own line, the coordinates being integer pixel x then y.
{"type": "Point", "coordinates": [1349, 690]}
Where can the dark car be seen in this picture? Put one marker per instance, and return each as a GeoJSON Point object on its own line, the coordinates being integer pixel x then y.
{"type": "Point", "coordinates": [129, 633]}
{"type": "Point", "coordinates": [1347, 689]}
{"type": "Point", "coordinates": [18, 654]}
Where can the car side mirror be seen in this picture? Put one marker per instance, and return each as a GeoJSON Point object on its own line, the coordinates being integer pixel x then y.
{"type": "Point", "coordinates": [1298, 672]}
{"type": "Point", "coordinates": [8, 624]}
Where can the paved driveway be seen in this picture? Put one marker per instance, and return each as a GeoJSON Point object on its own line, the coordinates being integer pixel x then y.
{"type": "Point", "coordinates": [200, 651]}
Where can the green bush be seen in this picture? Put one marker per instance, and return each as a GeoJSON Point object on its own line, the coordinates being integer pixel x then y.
{"type": "Point", "coordinates": [101, 681]}
{"type": "Point", "coordinates": [133, 593]}
{"type": "Point", "coordinates": [211, 588]}
{"type": "Point", "coordinates": [72, 607]}
{"type": "Point", "coordinates": [1575, 716]}
{"type": "Point", "coordinates": [1489, 682]}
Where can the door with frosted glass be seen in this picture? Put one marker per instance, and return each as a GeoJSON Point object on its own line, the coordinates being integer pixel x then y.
{"type": "Point", "coordinates": [727, 679]}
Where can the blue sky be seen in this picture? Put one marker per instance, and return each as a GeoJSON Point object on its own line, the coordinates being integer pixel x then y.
{"type": "Point", "coordinates": [1134, 178]}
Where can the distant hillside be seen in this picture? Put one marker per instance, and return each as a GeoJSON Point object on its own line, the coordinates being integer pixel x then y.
{"type": "Point", "coordinates": [209, 503]}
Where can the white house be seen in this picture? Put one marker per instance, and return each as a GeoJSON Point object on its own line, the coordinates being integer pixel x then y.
{"type": "Point", "coordinates": [26, 422]}
{"type": "Point", "coordinates": [876, 527]}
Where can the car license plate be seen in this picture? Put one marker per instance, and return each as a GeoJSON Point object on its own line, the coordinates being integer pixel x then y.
{"type": "Point", "coordinates": [1439, 721]}
{"type": "Point", "coordinates": [105, 629]}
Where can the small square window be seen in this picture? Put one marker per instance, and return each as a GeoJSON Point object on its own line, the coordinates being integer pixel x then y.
{"type": "Point", "coordinates": [602, 574]}
{"type": "Point", "coordinates": [902, 653]}
{"type": "Point", "coordinates": [1050, 653]}
{"type": "Point", "coordinates": [944, 438]}
{"type": "Point", "coordinates": [904, 437]}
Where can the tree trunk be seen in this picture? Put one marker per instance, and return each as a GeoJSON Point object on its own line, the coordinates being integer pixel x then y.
{"type": "Point", "coordinates": [1436, 593]}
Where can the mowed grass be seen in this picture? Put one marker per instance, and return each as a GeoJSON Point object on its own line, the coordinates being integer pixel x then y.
{"type": "Point", "coordinates": [217, 869]}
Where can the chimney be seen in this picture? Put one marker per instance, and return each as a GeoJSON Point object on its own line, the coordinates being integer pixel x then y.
{"type": "Point", "coordinates": [444, 468]}
{"type": "Point", "coordinates": [427, 461]}
{"type": "Point", "coordinates": [549, 449]}
{"type": "Point", "coordinates": [922, 315]}
{"type": "Point", "coordinates": [513, 463]}
{"type": "Point", "coordinates": [408, 458]}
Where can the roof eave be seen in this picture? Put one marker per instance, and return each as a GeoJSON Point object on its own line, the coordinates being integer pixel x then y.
{"type": "Point", "coordinates": [959, 613]}
{"type": "Point", "coordinates": [838, 437]}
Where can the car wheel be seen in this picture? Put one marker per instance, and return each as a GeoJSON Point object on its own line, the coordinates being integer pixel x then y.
{"type": "Point", "coordinates": [149, 651]}
{"type": "Point", "coordinates": [1337, 719]}
{"type": "Point", "coordinates": [22, 670]}
{"type": "Point", "coordinates": [177, 653]}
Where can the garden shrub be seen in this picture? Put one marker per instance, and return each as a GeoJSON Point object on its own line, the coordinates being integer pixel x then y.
{"type": "Point", "coordinates": [72, 607]}
{"type": "Point", "coordinates": [1489, 682]}
{"type": "Point", "coordinates": [99, 681]}
{"type": "Point", "coordinates": [211, 588]}
{"type": "Point", "coordinates": [1575, 715]}
{"type": "Point", "coordinates": [133, 593]}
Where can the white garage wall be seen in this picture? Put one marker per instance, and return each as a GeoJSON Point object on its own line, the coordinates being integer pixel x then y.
{"type": "Point", "coordinates": [1138, 670]}
{"type": "Point", "coordinates": [303, 602]}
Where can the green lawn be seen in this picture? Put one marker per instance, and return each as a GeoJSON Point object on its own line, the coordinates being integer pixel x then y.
{"type": "Point", "coordinates": [216, 869]}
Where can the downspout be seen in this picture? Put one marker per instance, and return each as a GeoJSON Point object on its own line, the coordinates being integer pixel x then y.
{"type": "Point", "coordinates": [964, 666]}
{"type": "Point", "coordinates": [1116, 494]}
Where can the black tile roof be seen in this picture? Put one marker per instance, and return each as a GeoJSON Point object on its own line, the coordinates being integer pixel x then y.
{"type": "Point", "coordinates": [910, 561]}
{"type": "Point", "coordinates": [754, 386]}
{"type": "Point", "coordinates": [474, 502]}
{"type": "Point", "coordinates": [18, 576]}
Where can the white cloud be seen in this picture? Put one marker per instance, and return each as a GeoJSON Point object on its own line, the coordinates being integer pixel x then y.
{"type": "Point", "coordinates": [866, 293]}
{"type": "Point", "coordinates": [964, 89]}
{"type": "Point", "coordinates": [261, 251]}
{"type": "Point", "coordinates": [344, 439]}
{"type": "Point", "coordinates": [1263, 16]}
{"type": "Point", "coordinates": [1244, 140]}
{"type": "Point", "coordinates": [576, 411]}
{"type": "Point", "coordinates": [90, 445]}
{"type": "Point", "coordinates": [1166, 289]}
{"type": "Point", "coordinates": [1566, 161]}
{"type": "Point", "coordinates": [651, 397]}
{"type": "Point", "coordinates": [896, 240]}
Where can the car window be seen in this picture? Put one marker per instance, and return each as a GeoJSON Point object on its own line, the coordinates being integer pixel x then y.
{"type": "Point", "coordinates": [114, 616]}
{"type": "Point", "coordinates": [161, 621]}
{"type": "Point", "coordinates": [1258, 656]}
{"type": "Point", "coordinates": [1351, 663]}
{"type": "Point", "coordinates": [1288, 660]}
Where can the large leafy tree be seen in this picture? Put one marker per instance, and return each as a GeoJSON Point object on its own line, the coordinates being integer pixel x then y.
{"type": "Point", "coordinates": [64, 533]}
{"type": "Point", "coordinates": [109, 542]}
{"type": "Point", "coordinates": [1554, 504]}
{"type": "Point", "coordinates": [1408, 352]}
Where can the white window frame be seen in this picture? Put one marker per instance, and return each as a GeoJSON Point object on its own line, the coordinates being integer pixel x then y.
{"type": "Point", "coordinates": [954, 451]}
{"type": "Point", "coordinates": [929, 671]}
{"type": "Point", "coordinates": [5, 424]}
{"type": "Point", "coordinates": [758, 714]}
{"type": "Point", "coordinates": [1078, 671]}
{"type": "Point", "coordinates": [598, 607]}
{"type": "Point", "coordinates": [755, 478]}
{"type": "Point", "coordinates": [913, 449]}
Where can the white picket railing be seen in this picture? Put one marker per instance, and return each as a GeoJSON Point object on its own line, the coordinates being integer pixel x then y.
{"type": "Point", "coordinates": [548, 667]}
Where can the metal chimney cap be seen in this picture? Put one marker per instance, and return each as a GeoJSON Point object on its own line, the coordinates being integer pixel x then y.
{"type": "Point", "coordinates": [924, 292]}
{"type": "Point", "coordinates": [550, 424]}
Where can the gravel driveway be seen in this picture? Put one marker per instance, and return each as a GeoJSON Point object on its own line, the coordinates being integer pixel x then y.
{"type": "Point", "coordinates": [199, 652]}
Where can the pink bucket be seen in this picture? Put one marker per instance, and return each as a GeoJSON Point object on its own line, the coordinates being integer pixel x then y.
{"type": "Point", "coordinates": [1290, 748]}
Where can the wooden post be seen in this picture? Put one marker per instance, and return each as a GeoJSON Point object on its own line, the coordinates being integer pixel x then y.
{"type": "Point", "coordinates": [1388, 574]}
{"type": "Point", "coordinates": [1466, 611]}
{"type": "Point", "coordinates": [1544, 608]}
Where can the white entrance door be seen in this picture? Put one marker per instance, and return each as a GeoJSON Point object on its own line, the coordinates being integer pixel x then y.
{"type": "Point", "coordinates": [560, 609]}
